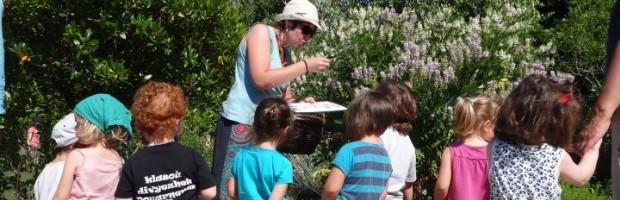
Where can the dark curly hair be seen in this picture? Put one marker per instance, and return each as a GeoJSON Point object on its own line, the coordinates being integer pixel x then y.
{"type": "Point", "coordinates": [538, 111]}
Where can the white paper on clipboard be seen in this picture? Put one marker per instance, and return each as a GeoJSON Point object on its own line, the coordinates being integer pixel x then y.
{"type": "Point", "coordinates": [317, 107]}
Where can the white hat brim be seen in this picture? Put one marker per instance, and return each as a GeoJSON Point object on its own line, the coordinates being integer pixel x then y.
{"type": "Point", "coordinates": [280, 17]}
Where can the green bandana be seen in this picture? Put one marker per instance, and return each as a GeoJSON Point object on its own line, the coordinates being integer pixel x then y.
{"type": "Point", "coordinates": [103, 111]}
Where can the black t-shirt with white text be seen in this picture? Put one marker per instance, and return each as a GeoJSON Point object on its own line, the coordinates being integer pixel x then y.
{"type": "Point", "coordinates": [167, 171]}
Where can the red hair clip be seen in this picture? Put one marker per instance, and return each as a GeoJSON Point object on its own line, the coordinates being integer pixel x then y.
{"type": "Point", "coordinates": [565, 98]}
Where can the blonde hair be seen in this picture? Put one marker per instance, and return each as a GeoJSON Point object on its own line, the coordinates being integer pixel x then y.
{"type": "Point", "coordinates": [91, 135]}
{"type": "Point", "coordinates": [469, 113]}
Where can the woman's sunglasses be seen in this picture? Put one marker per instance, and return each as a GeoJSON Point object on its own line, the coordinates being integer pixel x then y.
{"type": "Point", "coordinates": [307, 29]}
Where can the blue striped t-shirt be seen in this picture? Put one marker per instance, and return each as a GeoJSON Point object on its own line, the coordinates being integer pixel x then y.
{"type": "Point", "coordinates": [366, 167]}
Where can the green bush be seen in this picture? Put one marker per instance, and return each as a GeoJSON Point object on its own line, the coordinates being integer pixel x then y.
{"type": "Point", "coordinates": [59, 52]}
{"type": "Point", "coordinates": [581, 38]}
{"type": "Point", "coordinates": [440, 52]}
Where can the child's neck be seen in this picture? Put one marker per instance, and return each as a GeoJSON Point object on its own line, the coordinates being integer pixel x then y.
{"type": "Point", "coordinates": [268, 145]}
{"type": "Point", "coordinates": [62, 156]}
{"type": "Point", "coordinates": [165, 141]}
{"type": "Point", "coordinates": [475, 140]}
{"type": "Point", "coordinates": [371, 138]}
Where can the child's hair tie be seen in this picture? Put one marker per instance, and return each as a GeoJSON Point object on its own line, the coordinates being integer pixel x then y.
{"type": "Point", "coordinates": [565, 98]}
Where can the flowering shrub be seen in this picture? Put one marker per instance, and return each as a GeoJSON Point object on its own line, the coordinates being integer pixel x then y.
{"type": "Point", "coordinates": [439, 52]}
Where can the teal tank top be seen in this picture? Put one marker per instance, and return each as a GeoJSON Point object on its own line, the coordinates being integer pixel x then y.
{"type": "Point", "coordinates": [243, 97]}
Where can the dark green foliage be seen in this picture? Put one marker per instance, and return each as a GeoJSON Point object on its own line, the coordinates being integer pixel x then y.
{"type": "Point", "coordinates": [58, 52]}
{"type": "Point", "coordinates": [581, 39]}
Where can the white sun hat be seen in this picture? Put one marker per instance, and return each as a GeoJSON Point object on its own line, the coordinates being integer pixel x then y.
{"type": "Point", "coordinates": [64, 131]}
{"type": "Point", "coordinates": [301, 10]}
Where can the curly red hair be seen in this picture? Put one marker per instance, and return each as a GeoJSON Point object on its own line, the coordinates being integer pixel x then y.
{"type": "Point", "coordinates": [157, 109]}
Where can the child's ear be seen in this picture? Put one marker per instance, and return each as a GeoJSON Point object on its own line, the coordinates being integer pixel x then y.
{"type": "Point", "coordinates": [286, 130]}
{"type": "Point", "coordinates": [487, 130]}
{"type": "Point", "coordinates": [488, 124]}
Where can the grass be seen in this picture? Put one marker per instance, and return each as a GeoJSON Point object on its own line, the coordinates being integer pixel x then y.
{"type": "Point", "coordinates": [590, 191]}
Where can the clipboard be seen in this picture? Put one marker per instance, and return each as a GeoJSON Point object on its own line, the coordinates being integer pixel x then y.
{"type": "Point", "coordinates": [317, 107]}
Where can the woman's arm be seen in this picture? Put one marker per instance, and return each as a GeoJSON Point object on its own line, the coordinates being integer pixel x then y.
{"type": "Point", "coordinates": [66, 180]}
{"type": "Point", "coordinates": [444, 177]}
{"type": "Point", "coordinates": [579, 174]}
{"type": "Point", "coordinates": [259, 59]}
{"type": "Point", "coordinates": [333, 184]}
{"type": "Point", "coordinates": [408, 191]}
{"type": "Point", "coordinates": [383, 194]}
{"type": "Point", "coordinates": [231, 186]}
{"type": "Point", "coordinates": [208, 194]}
{"type": "Point", "coordinates": [278, 192]}
{"type": "Point", "coordinates": [606, 104]}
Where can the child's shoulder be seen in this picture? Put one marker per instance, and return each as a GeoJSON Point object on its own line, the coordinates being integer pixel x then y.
{"type": "Point", "coordinates": [165, 149]}
{"type": "Point", "coordinates": [357, 143]}
{"type": "Point", "coordinates": [351, 145]}
{"type": "Point", "coordinates": [362, 147]}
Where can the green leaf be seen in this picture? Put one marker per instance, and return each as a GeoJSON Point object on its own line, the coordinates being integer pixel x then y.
{"type": "Point", "coordinates": [8, 174]}
{"type": "Point", "coordinates": [22, 151]}
{"type": "Point", "coordinates": [9, 194]}
{"type": "Point", "coordinates": [25, 176]}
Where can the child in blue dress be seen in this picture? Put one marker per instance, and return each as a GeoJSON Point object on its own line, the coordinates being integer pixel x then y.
{"type": "Point", "coordinates": [259, 171]}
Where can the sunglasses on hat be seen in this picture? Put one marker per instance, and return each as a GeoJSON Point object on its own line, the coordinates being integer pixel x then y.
{"type": "Point", "coordinates": [307, 29]}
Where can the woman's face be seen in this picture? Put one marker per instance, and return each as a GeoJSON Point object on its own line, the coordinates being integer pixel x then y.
{"type": "Point", "coordinates": [300, 35]}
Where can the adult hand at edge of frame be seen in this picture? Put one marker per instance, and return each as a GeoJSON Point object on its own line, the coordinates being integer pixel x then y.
{"type": "Point", "coordinates": [318, 64]}
{"type": "Point", "coordinates": [593, 132]}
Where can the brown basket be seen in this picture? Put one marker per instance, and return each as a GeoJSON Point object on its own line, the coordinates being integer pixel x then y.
{"type": "Point", "coordinates": [305, 134]}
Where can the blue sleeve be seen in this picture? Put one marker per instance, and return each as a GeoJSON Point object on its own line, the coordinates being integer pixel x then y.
{"type": "Point", "coordinates": [344, 160]}
{"type": "Point", "coordinates": [286, 174]}
{"type": "Point", "coordinates": [235, 166]}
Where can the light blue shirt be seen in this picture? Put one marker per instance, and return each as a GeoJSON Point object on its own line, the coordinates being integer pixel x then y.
{"type": "Point", "coordinates": [258, 170]}
{"type": "Point", "coordinates": [366, 168]}
{"type": "Point", "coordinates": [243, 96]}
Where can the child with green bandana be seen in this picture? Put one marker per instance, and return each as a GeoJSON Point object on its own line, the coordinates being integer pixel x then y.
{"type": "Point", "coordinates": [92, 172]}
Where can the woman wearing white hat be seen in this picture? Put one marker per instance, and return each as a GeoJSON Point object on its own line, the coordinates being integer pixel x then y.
{"type": "Point", "coordinates": [263, 69]}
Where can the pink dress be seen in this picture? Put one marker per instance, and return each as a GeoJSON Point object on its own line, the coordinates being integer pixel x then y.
{"type": "Point", "coordinates": [34, 141]}
{"type": "Point", "coordinates": [470, 172]}
{"type": "Point", "coordinates": [97, 178]}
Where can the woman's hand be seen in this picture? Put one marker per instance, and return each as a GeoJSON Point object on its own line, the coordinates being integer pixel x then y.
{"type": "Point", "coordinates": [308, 100]}
{"type": "Point", "coordinates": [317, 64]}
{"type": "Point", "coordinates": [593, 132]}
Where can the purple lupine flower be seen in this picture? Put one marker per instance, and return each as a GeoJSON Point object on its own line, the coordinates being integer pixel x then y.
{"type": "Point", "coordinates": [474, 43]}
{"type": "Point", "coordinates": [448, 74]}
{"type": "Point", "coordinates": [537, 65]}
{"type": "Point", "coordinates": [357, 73]}
{"type": "Point", "coordinates": [548, 62]}
{"type": "Point", "coordinates": [331, 83]}
{"type": "Point", "coordinates": [361, 72]}
{"type": "Point", "coordinates": [433, 67]}
{"type": "Point", "coordinates": [396, 71]}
